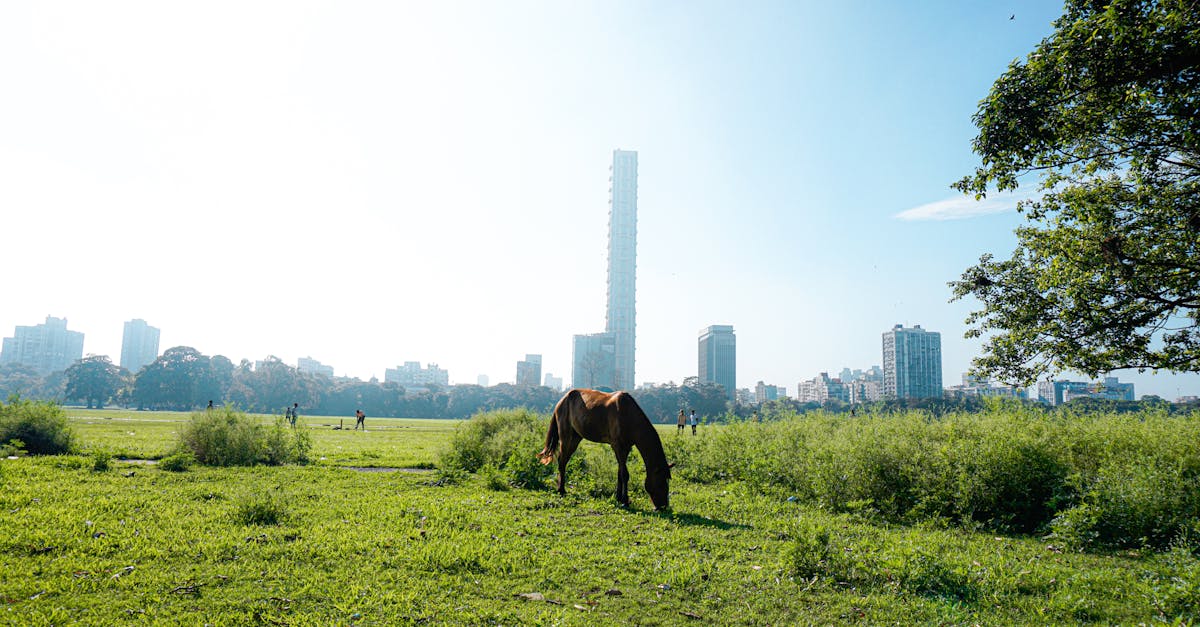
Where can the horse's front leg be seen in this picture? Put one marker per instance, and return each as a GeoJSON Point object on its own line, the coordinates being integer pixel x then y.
{"type": "Point", "coordinates": [622, 453]}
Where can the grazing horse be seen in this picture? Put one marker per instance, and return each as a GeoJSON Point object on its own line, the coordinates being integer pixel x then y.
{"type": "Point", "coordinates": [614, 419]}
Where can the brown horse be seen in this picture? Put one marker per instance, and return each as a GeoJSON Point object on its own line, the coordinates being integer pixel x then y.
{"type": "Point", "coordinates": [614, 419]}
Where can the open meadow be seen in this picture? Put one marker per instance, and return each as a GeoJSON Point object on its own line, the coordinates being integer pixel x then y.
{"type": "Point", "coordinates": [369, 534]}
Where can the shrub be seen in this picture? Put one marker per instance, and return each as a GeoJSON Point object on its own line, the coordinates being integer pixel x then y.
{"type": "Point", "coordinates": [1131, 506]}
{"type": "Point", "coordinates": [227, 437]}
{"type": "Point", "coordinates": [40, 426]}
{"type": "Point", "coordinates": [492, 438]}
{"type": "Point", "coordinates": [101, 461]}
{"type": "Point", "coordinates": [178, 461]}
{"type": "Point", "coordinates": [809, 551]}
{"type": "Point", "coordinates": [495, 478]}
{"type": "Point", "coordinates": [12, 448]}
{"type": "Point", "coordinates": [260, 509]}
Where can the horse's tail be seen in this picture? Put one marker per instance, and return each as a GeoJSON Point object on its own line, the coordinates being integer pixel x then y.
{"type": "Point", "coordinates": [547, 453]}
{"type": "Point", "coordinates": [551, 447]}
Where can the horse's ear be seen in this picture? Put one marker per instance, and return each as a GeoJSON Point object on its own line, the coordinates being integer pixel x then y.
{"type": "Point", "coordinates": [671, 465]}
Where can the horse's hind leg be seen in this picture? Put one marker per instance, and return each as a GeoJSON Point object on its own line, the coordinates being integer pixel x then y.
{"type": "Point", "coordinates": [568, 442]}
{"type": "Point", "coordinates": [622, 453]}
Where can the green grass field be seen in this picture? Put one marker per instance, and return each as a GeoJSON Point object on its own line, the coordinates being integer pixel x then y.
{"type": "Point", "coordinates": [395, 442]}
{"type": "Point", "coordinates": [329, 544]}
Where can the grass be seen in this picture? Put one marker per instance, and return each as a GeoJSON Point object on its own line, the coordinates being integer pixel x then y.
{"type": "Point", "coordinates": [326, 544]}
{"type": "Point", "coordinates": [394, 442]}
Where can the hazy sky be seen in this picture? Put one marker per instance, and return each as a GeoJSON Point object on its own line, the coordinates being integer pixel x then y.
{"type": "Point", "coordinates": [373, 183]}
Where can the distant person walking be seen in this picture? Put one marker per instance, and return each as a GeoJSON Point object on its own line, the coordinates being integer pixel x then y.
{"type": "Point", "coordinates": [682, 420]}
{"type": "Point", "coordinates": [295, 413]}
{"type": "Point", "coordinates": [210, 406]}
{"type": "Point", "coordinates": [287, 415]}
{"type": "Point", "coordinates": [692, 421]}
{"type": "Point", "coordinates": [360, 420]}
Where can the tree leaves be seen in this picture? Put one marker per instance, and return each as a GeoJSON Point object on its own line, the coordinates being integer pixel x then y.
{"type": "Point", "coordinates": [1106, 112]}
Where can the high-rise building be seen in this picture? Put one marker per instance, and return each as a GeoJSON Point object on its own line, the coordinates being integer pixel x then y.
{"type": "Point", "coordinates": [622, 264]}
{"type": "Point", "coordinates": [912, 363]}
{"type": "Point", "coordinates": [482, 380]}
{"type": "Point", "coordinates": [718, 358]}
{"type": "Point", "coordinates": [309, 365]}
{"type": "Point", "coordinates": [529, 372]}
{"type": "Point", "coordinates": [139, 345]}
{"type": "Point", "coordinates": [593, 362]}
{"type": "Point", "coordinates": [553, 382]}
{"type": "Point", "coordinates": [47, 347]}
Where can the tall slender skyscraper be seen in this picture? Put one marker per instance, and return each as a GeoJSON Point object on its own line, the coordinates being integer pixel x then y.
{"type": "Point", "coordinates": [912, 363]}
{"type": "Point", "coordinates": [139, 345]}
{"type": "Point", "coordinates": [718, 358]}
{"type": "Point", "coordinates": [622, 264]}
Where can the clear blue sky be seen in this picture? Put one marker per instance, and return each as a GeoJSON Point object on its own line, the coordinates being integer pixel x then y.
{"type": "Point", "coordinates": [374, 183]}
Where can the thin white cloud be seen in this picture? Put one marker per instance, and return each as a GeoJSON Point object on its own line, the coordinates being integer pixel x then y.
{"type": "Point", "coordinates": [963, 207]}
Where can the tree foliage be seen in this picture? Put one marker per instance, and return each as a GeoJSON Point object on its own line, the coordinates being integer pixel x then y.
{"type": "Point", "coordinates": [1105, 112]}
{"type": "Point", "coordinates": [94, 379]}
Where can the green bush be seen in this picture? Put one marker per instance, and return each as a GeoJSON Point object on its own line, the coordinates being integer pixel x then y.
{"type": "Point", "coordinates": [40, 426]}
{"type": "Point", "coordinates": [493, 437]}
{"type": "Point", "coordinates": [227, 437]}
{"type": "Point", "coordinates": [495, 478]}
{"type": "Point", "coordinates": [260, 509]}
{"type": "Point", "coordinates": [809, 551]}
{"type": "Point", "coordinates": [12, 448]}
{"type": "Point", "coordinates": [177, 462]}
{"type": "Point", "coordinates": [101, 461]}
{"type": "Point", "coordinates": [1135, 478]}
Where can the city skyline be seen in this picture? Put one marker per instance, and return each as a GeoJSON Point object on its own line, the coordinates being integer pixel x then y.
{"type": "Point", "coordinates": [717, 348]}
{"type": "Point", "coordinates": [272, 196]}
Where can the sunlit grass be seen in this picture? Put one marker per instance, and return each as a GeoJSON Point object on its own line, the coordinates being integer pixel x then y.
{"type": "Point", "coordinates": [326, 544]}
{"type": "Point", "coordinates": [397, 442]}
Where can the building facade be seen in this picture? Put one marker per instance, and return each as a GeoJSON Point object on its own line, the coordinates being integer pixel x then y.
{"type": "Point", "coordinates": [974, 387]}
{"type": "Point", "coordinates": [1058, 392]}
{"type": "Point", "coordinates": [912, 363]}
{"type": "Point", "coordinates": [311, 366]}
{"type": "Point", "coordinates": [717, 358]}
{"type": "Point", "coordinates": [620, 318]}
{"type": "Point", "coordinates": [821, 389]}
{"type": "Point", "coordinates": [593, 362]}
{"type": "Point", "coordinates": [764, 392]}
{"type": "Point", "coordinates": [553, 382]}
{"type": "Point", "coordinates": [529, 372]}
{"type": "Point", "coordinates": [139, 345]}
{"type": "Point", "coordinates": [411, 374]}
{"type": "Point", "coordinates": [47, 347]}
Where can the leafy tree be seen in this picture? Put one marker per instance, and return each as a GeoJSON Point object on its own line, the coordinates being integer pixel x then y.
{"type": "Point", "coordinates": [176, 380]}
{"type": "Point", "coordinates": [1106, 274]}
{"type": "Point", "coordinates": [20, 380]}
{"type": "Point", "coordinates": [94, 379]}
{"type": "Point", "coordinates": [273, 385]}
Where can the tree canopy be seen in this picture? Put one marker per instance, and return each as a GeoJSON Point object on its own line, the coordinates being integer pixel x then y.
{"type": "Point", "coordinates": [94, 379]}
{"type": "Point", "coordinates": [1105, 114]}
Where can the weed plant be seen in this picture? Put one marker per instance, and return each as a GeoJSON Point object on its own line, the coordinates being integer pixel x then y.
{"type": "Point", "coordinates": [101, 461]}
{"type": "Point", "coordinates": [227, 437]}
{"type": "Point", "coordinates": [260, 509]}
{"type": "Point", "coordinates": [40, 427]}
{"type": "Point", "coordinates": [177, 462]}
{"type": "Point", "coordinates": [1109, 480]}
{"type": "Point", "coordinates": [505, 443]}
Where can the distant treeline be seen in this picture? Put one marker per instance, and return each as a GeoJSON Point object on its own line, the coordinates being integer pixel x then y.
{"type": "Point", "coordinates": [184, 379]}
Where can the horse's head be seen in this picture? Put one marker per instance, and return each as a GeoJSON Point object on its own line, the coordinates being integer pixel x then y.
{"type": "Point", "coordinates": [658, 486]}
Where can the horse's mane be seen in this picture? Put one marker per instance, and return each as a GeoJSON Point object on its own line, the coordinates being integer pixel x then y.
{"type": "Point", "coordinates": [647, 440]}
